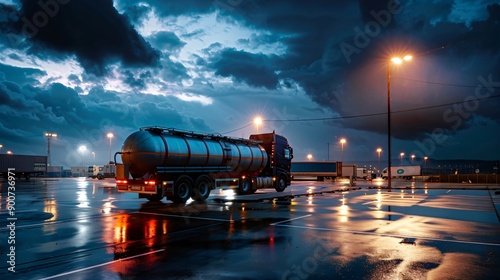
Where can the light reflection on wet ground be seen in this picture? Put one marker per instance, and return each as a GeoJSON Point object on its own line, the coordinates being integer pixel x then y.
{"type": "Point", "coordinates": [84, 229]}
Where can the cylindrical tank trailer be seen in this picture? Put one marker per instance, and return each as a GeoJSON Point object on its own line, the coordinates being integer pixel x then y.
{"type": "Point", "coordinates": [143, 151]}
{"type": "Point", "coordinates": [180, 164]}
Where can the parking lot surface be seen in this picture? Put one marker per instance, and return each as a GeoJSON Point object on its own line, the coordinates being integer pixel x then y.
{"type": "Point", "coordinates": [84, 229]}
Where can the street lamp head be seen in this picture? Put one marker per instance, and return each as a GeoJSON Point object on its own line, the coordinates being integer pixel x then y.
{"type": "Point", "coordinates": [309, 156]}
{"type": "Point", "coordinates": [426, 158]}
{"type": "Point", "coordinates": [402, 154]}
{"type": "Point", "coordinates": [110, 135]}
{"type": "Point", "coordinates": [257, 120]}
{"type": "Point", "coordinates": [379, 150]}
{"type": "Point", "coordinates": [343, 141]}
{"type": "Point", "coordinates": [412, 156]}
{"type": "Point", "coordinates": [398, 60]}
{"type": "Point", "coordinates": [82, 148]}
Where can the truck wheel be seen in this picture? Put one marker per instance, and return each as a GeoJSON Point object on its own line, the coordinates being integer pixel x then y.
{"type": "Point", "coordinates": [245, 186]}
{"type": "Point", "coordinates": [182, 189]}
{"type": "Point", "coordinates": [100, 177]}
{"type": "Point", "coordinates": [280, 184]}
{"type": "Point", "coordinates": [202, 188]}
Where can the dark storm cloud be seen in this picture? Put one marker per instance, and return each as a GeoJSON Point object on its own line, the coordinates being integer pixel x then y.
{"type": "Point", "coordinates": [253, 69]}
{"type": "Point", "coordinates": [20, 75]}
{"type": "Point", "coordinates": [168, 8]}
{"type": "Point", "coordinates": [166, 41]}
{"type": "Point", "coordinates": [92, 30]}
{"type": "Point", "coordinates": [353, 86]}
{"type": "Point", "coordinates": [26, 112]}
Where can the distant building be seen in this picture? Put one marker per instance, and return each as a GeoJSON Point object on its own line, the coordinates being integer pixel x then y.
{"type": "Point", "coordinates": [79, 171]}
{"type": "Point", "coordinates": [54, 171]}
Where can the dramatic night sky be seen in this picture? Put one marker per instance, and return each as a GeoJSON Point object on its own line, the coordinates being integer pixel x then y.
{"type": "Point", "coordinates": [315, 71]}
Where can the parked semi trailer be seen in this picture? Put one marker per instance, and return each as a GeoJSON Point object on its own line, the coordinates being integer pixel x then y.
{"type": "Point", "coordinates": [164, 162]}
{"type": "Point", "coordinates": [23, 165]}
{"type": "Point", "coordinates": [349, 171]}
{"type": "Point", "coordinates": [318, 170]}
{"type": "Point", "coordinates": [405, 172]}
{"type": "Point", "coordinates": [101, 172]}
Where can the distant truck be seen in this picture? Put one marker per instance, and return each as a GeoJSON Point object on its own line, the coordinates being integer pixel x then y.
{"type": "Point", "coordinates": [349, 171]}
{"type": "Point", "coordinates": [405, 172]}
{"type": "Point", "coordinates": [316, 169]}
{"type": "Point", "coordinates": [23, 165]}
{"type": "Point", "coordinates": [363, 173]}
{"type": "Point", "coordinates": [101, 172]}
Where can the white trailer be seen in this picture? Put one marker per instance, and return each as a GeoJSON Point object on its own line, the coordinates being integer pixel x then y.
{"type": "Point", "coordinates": [363, 173]}
{"type": "Point", "coordinates": [101, 172]}
{"type": "Point", "coordinates": [405, 172]}
{"type": "Point", "coordinates": [349, 171]}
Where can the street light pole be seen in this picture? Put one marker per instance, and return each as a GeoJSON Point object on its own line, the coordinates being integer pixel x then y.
{"type": "Point", "coordinates": [49, 135]}
{"type": "Point", "coordinates": [425, 164]}
{"type": "Point", "coordinates": [110, 136]}
{"type": "Point", "coordinates": [257, 121]}
{"type": "Point", "coordinates": [328, 150]}
{"type": "Point", "coordinates": [379, 150]}
{"type": "Point", "coordinates": [342, 142]}
{"type": "Point", "coordinates": [389, 127]}
{"type": "Point", "coordinates": [395, 60]}
{"type": "Point", "coordinates": [83, 149]}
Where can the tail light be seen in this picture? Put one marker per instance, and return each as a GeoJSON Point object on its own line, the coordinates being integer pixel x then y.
{"type": "Point", "coordinates": [121, 181]}
{"type": "Point", "coordinates": [151, 182]}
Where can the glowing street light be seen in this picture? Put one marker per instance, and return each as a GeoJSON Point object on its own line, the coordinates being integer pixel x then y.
{"type": "Point", "coordinates": [425, 164]}
{"type": "Point", "coordinates": [110, 136]}
{"type": "Point", "coordinates": [379, 150]}
{"type": "Point", "coordinates": [49, 135]}
{"type": "Point", "coordinates": [257, 121]}
{"type": "Point", "coordinates": [342, 142]}
{"type": "Point", "coordinates": [82, 150]}
{"type": "Point", "coordinates": [402, 155]}
{"type": "Point", "coordinates": [412, 158]}
{"type": "Point", "coordinates": [394, 60]}
{"type": "Point", "coordinates": [9, 152]}
{"type": "Point", "coordinates": [309, 156]}
{"type": "Point", "coordinates": [1, 146]}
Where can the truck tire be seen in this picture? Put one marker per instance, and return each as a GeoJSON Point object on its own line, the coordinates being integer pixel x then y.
{"type": "Point", "coordinates": [280, 184]}
{"type": "Point", "coordinates": [245, 186]}
{"type": "Point", "coordinates": [100, 177]}
{"type": "Point", "coordinates": [202, 188]}
{"type": "Point", "coordinates": [183, 187]}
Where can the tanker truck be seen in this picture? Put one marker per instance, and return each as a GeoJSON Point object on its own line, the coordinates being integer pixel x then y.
{"type": "Point", "coordinates": [165, 162]}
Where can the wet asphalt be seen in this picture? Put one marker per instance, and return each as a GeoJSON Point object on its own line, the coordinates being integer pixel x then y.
{"type": "Point", "coordinates": [79, 228]}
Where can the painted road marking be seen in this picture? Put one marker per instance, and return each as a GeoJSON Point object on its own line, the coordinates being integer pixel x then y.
{"type": "Point", "coordinates": [301, 217]}
{"type": "Point", "coordinates": [185, 217]}
{"type": "Point", "coordinates": [102, 264]}
{"type": "Point", "coordinates": [393, 235]}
